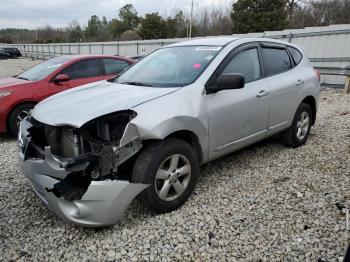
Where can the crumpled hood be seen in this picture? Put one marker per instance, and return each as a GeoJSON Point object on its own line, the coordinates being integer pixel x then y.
{"type": "Point", "coordinates": [77, 106]}
{"type": "Point", "coordinates": [12, 81]}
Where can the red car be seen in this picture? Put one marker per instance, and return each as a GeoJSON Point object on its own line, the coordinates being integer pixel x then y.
{"type": "Point", "coordinates": [19, 94]}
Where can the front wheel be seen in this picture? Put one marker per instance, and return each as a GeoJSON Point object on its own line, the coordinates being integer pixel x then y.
{"type": "Point", "coordinates": [171, 169]}
{"type": "Point", "coordinates": [16, 116]}
{"type": "Point", "coordinates": [297, 134]}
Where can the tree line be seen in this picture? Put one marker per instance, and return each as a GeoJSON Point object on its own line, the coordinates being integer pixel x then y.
{"type": "Point", "coordinates": [242, 17]}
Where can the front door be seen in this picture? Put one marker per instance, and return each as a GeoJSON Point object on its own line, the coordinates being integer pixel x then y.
{"type": "Point", "coordinates": [80, 73]}
{"type": "Point", "coordinates": [238, 117]}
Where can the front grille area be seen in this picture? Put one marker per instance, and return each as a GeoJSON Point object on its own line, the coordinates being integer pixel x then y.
{"type": "Point", "coordinates": [62, 140]}
{"type": "Point", "coordinates": [43, 135]}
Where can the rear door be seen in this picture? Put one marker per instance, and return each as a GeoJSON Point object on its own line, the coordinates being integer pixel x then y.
{"type": "Point", "coordinates": [113, 67]}
{"type": "Point", "coordinates": [284, 80]}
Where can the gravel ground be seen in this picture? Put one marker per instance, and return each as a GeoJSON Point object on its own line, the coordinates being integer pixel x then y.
{"type": "Point", "coordinates": [12, 67]}
{"type": "Point", "coordinates": [264, 203]}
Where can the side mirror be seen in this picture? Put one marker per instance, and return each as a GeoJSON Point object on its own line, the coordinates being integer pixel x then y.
{"type": "Point", "coordinates": [226, 82]}
{"type": "Point", "coordinates": [61, 78]}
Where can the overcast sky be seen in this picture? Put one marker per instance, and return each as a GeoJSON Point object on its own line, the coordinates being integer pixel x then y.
{"type": "Point", "coordinates": [58, 13]}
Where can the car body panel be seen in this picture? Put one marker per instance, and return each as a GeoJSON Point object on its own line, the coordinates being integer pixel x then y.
{"type": "Point", "coordinates": [11, 81]}
{"type": "Point", "coordinates": [93, 100]}
{"type": "Point", "coordinates": [235, 115]}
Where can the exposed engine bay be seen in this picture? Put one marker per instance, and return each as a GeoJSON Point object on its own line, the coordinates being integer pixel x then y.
{"type": "Point", "coordinates": [90, 153]}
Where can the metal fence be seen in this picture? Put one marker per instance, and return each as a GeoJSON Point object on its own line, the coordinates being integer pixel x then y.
{"type": "Point", "coordinates": [325, 46]}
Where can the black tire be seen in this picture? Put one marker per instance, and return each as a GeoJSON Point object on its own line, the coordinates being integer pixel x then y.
{"type": "Point", "coordinates": [12, 119]}
{"type": "Point", "coordinates": [290, 137]}
{"type": "Point", "coordinates": [146, 167]}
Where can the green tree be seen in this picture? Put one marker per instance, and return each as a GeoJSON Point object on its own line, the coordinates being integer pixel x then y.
{"type": "Point", "coordinates": [97, 29]}
{"type": "Point", "coordinates": [153, 26]}
{"type": "Point", "coordinates": [116, 28]}
{"type": "Point", "coordinates": [170, 27]}
{"type": "Point", "coordinates": [74, 32]}
{"type": "Point", "coordinates": [128, 20]}
{"type": "Point", "coordinates": [180, 24]}
{"type": "Point", "coordinates": [128, 16]}
{"type": "Point", "coordinates": [93, 27]}
{"type": "Point", "coordinates": [259, 15]}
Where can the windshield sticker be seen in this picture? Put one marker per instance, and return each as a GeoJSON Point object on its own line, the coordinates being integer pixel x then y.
{"type": "Point", "coordinates": [208, 48]}
{"type": "Point", "coordinates": [197, 66]}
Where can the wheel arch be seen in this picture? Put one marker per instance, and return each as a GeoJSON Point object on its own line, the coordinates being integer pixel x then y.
{"type": "Point", "coordinates": [191, 138]}
{"type": "Point", "coordinates": [311, 101]}
{"type": "Point", "coordinates": [185, 135]}
{"type": "Point", "coordinates": [13, 107]}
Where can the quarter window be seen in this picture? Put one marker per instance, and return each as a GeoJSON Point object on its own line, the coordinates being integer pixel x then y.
{"type": "Point", "coordinates": [82, 69]}
{"type": "Point", "coordinates": [114, 67]}
{"type": "Point", "coordinates": [275, 60]}
{"type": "Point", "coordinates": [245, 63]}
{"type": "Point", "coordinates": [297, 56]}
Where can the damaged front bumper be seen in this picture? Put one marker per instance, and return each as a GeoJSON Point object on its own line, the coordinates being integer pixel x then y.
{"type": "Point", "coordinates": [103, 203]}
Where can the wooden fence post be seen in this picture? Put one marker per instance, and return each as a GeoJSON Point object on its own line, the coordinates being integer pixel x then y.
{"type": "Point", "coordinates": [347, 85]}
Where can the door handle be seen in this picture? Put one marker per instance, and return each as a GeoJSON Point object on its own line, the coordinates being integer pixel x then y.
{"type": "Point", "coordinates": [262, 93]}
{"type": "Point", "coordinates": [299, 82]}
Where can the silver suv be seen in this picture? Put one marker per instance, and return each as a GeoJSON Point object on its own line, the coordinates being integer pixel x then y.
{"type": "Point", "coordinates": [89, 151]}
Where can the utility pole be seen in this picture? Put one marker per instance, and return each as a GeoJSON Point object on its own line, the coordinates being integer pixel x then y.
{"type": "Point", "coordinates": [190, 33]}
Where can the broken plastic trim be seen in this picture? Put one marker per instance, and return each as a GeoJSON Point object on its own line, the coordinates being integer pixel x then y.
{"type": "Point", "coordinates": [73, 187]}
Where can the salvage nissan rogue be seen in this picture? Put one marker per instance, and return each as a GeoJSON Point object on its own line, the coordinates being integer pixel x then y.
{"type": "Point", "coordinates": [89, 151]}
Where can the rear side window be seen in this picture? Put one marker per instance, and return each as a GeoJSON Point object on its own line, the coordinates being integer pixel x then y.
{"type": "Point", "coordinates": [275, 60]}
{"type": "Point", "coordinates": [297, 56]}
{"type": "Point", "coordinates": [114, 67]}
{"type": "Point", "coordinates": [245, 63]}
{"type": "Point", "coordinates": [85, 68]}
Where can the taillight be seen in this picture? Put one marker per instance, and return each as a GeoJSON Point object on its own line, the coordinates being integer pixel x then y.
{"type": "Point", "coordinates": [318, 74]}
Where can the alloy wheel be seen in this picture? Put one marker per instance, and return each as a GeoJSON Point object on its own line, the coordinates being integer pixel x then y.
{"type": "Point", "coordinates": [23, 114]}
{"type": "Point", "coordinates": [173, 177]}
{"type": "Point", "coordinates": [303, 125]}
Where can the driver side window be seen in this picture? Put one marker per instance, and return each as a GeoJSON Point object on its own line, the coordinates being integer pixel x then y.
{"type": "Point", "coordinates": [84, 69]}
{"type": "Point", "coordinates": [245, 63]}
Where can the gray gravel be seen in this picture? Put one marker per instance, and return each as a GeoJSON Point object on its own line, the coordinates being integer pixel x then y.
{"type": "Point", "coordinates": [264, 203]}
{"type": "Point", "coordinates": [15, 66]}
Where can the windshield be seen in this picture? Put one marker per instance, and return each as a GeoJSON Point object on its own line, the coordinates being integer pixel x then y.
{"type": "Point", "coordinates": [42, 70]}
{"type": "Point", "coordinates": [170, 67]}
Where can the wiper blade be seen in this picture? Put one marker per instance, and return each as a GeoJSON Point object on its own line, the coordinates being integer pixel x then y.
{"type": "Point", "coordinates": [23, 78]}
{"type": "Point", "coordinates": [136, 84]}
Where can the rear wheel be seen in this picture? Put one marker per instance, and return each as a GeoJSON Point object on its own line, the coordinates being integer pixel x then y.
{"type": "Point", "coordinates": [171, 168]}
{"type": "Point", "coordinates": [299, 131]}
{"type": "Point", "coordinates": [16, 116]}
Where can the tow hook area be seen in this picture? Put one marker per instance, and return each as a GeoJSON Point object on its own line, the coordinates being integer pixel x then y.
{"type": "Point", "coordinates": [73, 187]}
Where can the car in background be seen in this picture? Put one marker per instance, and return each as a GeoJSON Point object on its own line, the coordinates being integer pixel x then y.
{"type": "Point", "coordinates": [12, 51]}
{"type": "Point", "coordinates": [20, 93]}
{"type": "Point", "coordinates": [3, 54]}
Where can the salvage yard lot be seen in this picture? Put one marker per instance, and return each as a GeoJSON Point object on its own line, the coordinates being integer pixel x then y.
{"type": "Point", "coordinates": [267, 203]}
